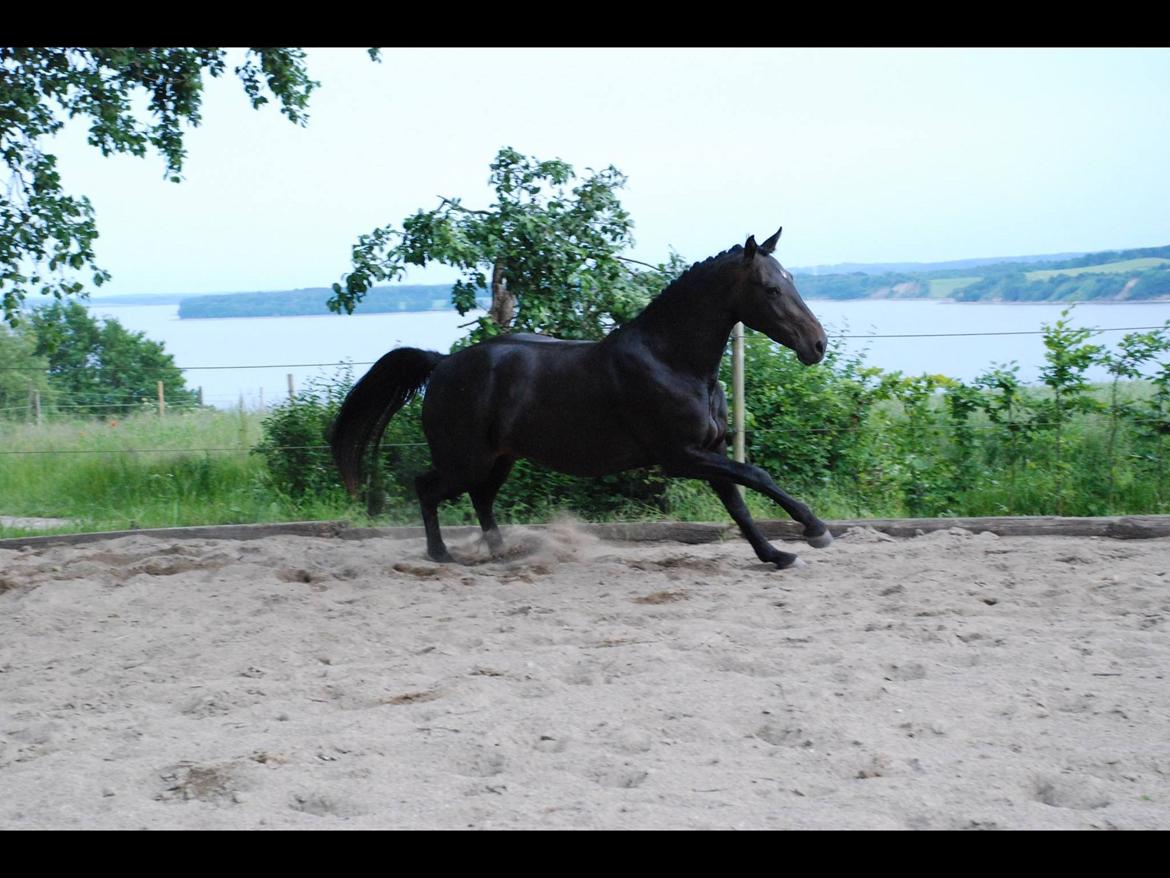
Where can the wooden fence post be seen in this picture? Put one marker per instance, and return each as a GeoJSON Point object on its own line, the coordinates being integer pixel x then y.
{"type": "Point", "coordinates": [737, 410]}
{"type": "Point", "coordinates": [162, 401]}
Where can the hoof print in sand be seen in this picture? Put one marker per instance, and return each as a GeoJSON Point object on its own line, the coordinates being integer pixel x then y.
{"type": "Point", "coordinates": [676, 564]}
{"type": "Point", "coordinates": [619, 777]}
{"type": "Point", "coordinates": [1081, 793]}
{"type": "Point", "coordinates": [662, 597]}
{"type": "Point", "coordinates": [423, 571]}
{"type": "Point", "coordinates": [323, 805]}
{"type": "Point", "coordinates": [204, 783]}
{"type": "Point", "coordinates": [412, 697]}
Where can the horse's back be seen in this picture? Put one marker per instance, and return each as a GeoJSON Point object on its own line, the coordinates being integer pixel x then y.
{"type": "Point", "coordinates": [521, 356]}
{"type": "Point", "coordinates": [534, 337]}
{"type": "Point", "coordinates": [526, 395]}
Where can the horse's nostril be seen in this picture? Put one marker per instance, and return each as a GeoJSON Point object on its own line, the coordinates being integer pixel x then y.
{"type": "Point", "coordinates": [820, 346]}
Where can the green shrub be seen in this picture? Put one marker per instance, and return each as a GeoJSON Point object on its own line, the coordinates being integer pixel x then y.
{"type": "Point", "coordinates": [845, 437]}
{"type": "Point", "coordinates": [295, 443]}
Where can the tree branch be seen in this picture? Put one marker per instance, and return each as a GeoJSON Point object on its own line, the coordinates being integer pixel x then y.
{"type": "Point", "coordinates": [460, 207]}
{"type": "Point", "coordinates": [640, 262]}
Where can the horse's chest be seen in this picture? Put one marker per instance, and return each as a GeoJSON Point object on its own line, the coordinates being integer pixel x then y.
{"type": "Point", "coordinates": [716, 426]}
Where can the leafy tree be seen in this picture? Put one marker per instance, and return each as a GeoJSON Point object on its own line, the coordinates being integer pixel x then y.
{"type": "Point", "coordinates": [548, 251]}
{"type": "Point", "coordinates": [103, 365]}
{"type": "Point", "coordinates": [1134, 351]}
{"type": "Point", "coordinates": [21, 371]}
{"type": "Point", "coordinates": [45, 232]}
{"type": "Point", "coordinates": [1151, 417]}
{"type": "Point", "coordinates": [1067, 357]}
{"type": "Point", "coordinates": [295, 444]}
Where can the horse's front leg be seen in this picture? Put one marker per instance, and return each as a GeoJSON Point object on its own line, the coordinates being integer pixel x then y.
{"type": "Point", "coordinates": [734, 504]}
{"type": "Point", "coordinates": [712, 466]}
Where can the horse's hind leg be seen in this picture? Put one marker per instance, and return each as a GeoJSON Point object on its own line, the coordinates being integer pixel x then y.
{"type": "Point", "coordinates": [765, 551]}
{"type": "Point", "coordinates": [433, 488]}
{"type": "Point", "coordinates": [483, 496]}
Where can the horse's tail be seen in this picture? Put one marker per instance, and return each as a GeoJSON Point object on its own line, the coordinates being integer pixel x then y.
{"type": "Point", "coordinates": [388, 386]}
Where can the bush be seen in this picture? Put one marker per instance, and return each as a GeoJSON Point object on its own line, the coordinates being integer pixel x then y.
{"type": "Point", "coordinates": [847, 438]}
{"type": "Point", "coordinates": [295, 443]}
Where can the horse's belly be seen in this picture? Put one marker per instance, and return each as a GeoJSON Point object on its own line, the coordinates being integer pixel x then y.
{"type": "Point", "coordinates": [586, 464]}
{"type": "Point", "coordinates": [579, 446]}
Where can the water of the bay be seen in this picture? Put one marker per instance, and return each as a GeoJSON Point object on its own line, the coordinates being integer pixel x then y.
{"type": "Point", "coordinates": [290, 345]}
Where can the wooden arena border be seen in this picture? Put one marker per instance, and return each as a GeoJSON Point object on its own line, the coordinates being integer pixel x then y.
{"type": "Point", "coordinates": [1125, 527]}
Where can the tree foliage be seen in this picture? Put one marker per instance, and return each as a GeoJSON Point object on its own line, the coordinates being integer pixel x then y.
{"type": "Point", "coordinates": [21, 372]}
{"type": "Point", "coordinates": [295, 445]}
{"type": "Point", "coordinates": [548, 250]}
{"type": "Point", "coordinates": [101, 365]}
{"type": "Point", "coordinates": [46, 235]}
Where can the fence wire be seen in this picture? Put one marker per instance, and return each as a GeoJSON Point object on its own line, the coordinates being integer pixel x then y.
{"type": "Point", "coordinates": [843, 336]}
{"type": "Point", "coordinates": [785, 431]}
{"type": "Point", "coordinates": [234, 448]}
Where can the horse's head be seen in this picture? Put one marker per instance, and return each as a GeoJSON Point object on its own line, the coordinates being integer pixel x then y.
{"type": "Point", "coordinates": [767, 301]}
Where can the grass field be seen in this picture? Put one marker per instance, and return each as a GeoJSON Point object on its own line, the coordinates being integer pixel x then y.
{"type": "Point", "coordinates": [944, 287]}
{"type": "Point", "coordinates": [141, 471]}
{"type": "Point", "coordinates": [1129, 265]}
{"type": "Point", "coordinates": [198, 467]}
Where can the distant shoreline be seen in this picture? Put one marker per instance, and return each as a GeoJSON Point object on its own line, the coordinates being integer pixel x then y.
{"type": "Point", "coordinates": [97, 303]}
{"type": "Point", "coordinates": [1126, 277]}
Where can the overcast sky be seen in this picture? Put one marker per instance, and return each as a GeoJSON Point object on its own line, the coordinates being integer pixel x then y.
{"type": "Point", "coordinates": [862, 155]}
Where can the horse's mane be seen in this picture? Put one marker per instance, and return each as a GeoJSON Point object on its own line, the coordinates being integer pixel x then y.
{"type": "Point", "coordinates": [688, 277]}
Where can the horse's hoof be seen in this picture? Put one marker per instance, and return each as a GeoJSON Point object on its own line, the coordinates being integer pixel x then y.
{"type": "Point", "coordinates": [784, 561]}
{"type": "Point", "coordinates": [441, 557]}
{"type": "Point", "coordinates": [822, 541]}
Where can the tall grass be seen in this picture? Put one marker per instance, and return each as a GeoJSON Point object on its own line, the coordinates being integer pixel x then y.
{"type": "Point", "coordinates": [199, 468]}
{"type": "Point", "coordinates": [849, 439]}
{"type": "Point", "coordinates": [188, 468]}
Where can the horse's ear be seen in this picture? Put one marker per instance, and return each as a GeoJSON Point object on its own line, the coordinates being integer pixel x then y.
{"type": "Point", "coordinates": [750, 248]}
{"type": "Point", "coordinates": [770, 245]}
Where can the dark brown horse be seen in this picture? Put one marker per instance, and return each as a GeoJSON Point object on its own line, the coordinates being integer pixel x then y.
{"type": "Point", "coordinates": [647, 394]}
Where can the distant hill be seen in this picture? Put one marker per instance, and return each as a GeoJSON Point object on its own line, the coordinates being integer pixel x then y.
{"type": "Point", "coordinates": [138, 299]}
{"type": "Point", "coordinates": [1141, 274]}
{"type": "Point", "coordinates": [915, 267]}
{"type": "Point", "coordinates": [304, 302]}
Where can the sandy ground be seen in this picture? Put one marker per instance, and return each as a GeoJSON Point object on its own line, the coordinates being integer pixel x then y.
{"type": "Point", "coordinates": [946, 681]}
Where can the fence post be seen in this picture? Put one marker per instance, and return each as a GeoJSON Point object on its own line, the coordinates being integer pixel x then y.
{"type": "Point", "coordinates": [200, 397]}
{"type": "Point", "coordinates": [162, 401]}
{"type": "Point", "coordinates": [737, 419]}
{"type": "Point", "coordinates": [291, 390]}
{"type": "Point", "coordinates": [35, 400]}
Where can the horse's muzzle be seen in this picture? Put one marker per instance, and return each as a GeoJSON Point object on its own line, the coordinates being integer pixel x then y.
{"type": "Point", "coordinates": [812, 354]}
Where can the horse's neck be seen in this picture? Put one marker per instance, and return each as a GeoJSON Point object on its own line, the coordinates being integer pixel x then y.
{"type": "Point", "coordinates": [688, 328]}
